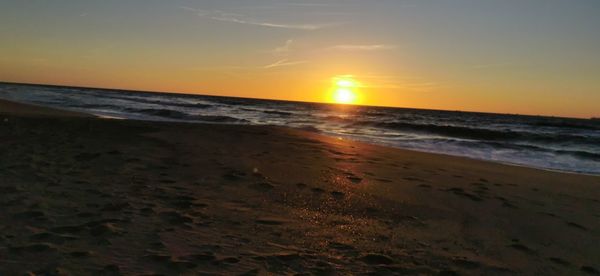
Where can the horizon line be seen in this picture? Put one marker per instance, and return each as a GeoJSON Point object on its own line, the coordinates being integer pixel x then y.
{"type": "Point", "coordinates": [293, 101]}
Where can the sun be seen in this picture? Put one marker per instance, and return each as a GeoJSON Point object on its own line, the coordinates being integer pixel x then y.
{"type": "Point", "coordinates": [344, 90]}
{"type": "Point", "coordinates": [344, 96]}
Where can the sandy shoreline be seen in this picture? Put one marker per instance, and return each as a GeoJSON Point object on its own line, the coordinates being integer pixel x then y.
{"type": "Point", "coordinates": [86, 195]}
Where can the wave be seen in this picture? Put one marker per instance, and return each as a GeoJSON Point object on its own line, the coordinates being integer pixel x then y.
{"type": "Point", "coordinates": [217, 119]}
{"type": "Point", "coordinates": [90, 106]}
{"type": "Point", "coordinates": [587, 125]}
{"type": "Point", "coordinates": [272, 112]}
{"type": "Point", "coordinates": [156, 102]}
{"type": "Point", "coordinates": [191, 105]}
{"type": "Point", "coordinates": [482, 133]}
{"type": "Point", "coordinates": [340, 119]}
{"type": "Point", "coordinates": [531, 148]}
{"type": "Point", "coordinates": [166, 113]}
{"type": "Point", "coordinates": [309, 129]}
{"type": "Point", "coordinates": [446, 130]}
{"type": "Point", "coordinates": [280, 113]}
{"type": "Point", "coordinates": [178, 115]}
{"type": "Point", "coordinates": [581, 154]}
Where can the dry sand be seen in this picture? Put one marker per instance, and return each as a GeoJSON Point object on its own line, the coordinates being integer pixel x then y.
{"type": "Point", "coordinates": [82, 195]}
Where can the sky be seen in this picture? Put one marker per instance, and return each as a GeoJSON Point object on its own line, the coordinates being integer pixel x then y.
{"type": "Point", "coordinates": [539, 57]}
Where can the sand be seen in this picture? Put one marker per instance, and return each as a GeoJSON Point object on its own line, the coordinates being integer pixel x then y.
{"type": "Point", "coordinates": [82, 195]}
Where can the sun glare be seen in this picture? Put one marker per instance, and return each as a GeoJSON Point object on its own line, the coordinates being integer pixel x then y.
{"type": "Point", "coordinates": [344, 96]}
{"type": "Point", "coordinates": [345, 83]}
{"type": "Point", "coordinates": [344, 90]}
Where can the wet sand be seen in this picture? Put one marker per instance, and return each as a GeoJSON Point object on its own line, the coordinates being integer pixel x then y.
{"type": "Point", "coordinates": [82, 195]}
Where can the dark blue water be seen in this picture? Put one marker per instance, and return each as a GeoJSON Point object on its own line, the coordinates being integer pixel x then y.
{"type": "Point", "coordinates": [564, 144]}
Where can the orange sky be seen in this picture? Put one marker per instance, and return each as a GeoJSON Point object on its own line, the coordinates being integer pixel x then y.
{"type": "Point", "coordinates": [527, 58]}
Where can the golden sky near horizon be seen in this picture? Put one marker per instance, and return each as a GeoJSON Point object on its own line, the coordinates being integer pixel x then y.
{"type": "Point", "coordinates": [528, 57]}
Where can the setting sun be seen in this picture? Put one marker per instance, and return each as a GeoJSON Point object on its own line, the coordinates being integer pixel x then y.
{"type": "Point", "coordinates": [344, 96]}
{"type": "Point", "coordinates": [344, 90]}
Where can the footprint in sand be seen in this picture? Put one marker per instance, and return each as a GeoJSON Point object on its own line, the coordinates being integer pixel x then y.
{"type": "Point", "coordinates": [589, 270]}
{"type": "Point", "coordinates": [67, 229]}
{"type": "Point", "coordinates": [413, 179]}
{"type": "Point", "coordinates": [229, 260]}
{"type": "Point", "coordinates": [341, 246]}
{"type": "Point", "coordinates": [376, 259]}
{"type": "Point", "coordinates": [175, 218]}
{"type": "Point", "coordinates": [262, 186]}
{"type": "Point", "coordinates": [506, 202]}
{"type": "Point", "coordinates": [461, 192]}
{"type": "Point", "coordinates": [301, 185]}
{"type": "Point", "coordinates": [354, 179]}
{"type": "Point", "coordinates": [522, 248]}
{"type": "Point", "coordinates": [466, 263]}
{"type": "Point", "coordinates": [509, 205]}
{"type": "Point", "coordinates": [116, 207]}
{"type": "Point", "coordinates": [337, 195]}
{"type": "Point", "coordinates": [114, 152]}
{"type": "Point", "coordinates": [169, 262]}
{"type": "Point", "coordinates": [10, 190]}
{"type": "Point", "coordinates": [34, 248]}
{"type": "Point", "coordinates": [106, 229]}
{"type": "Point", "coordinates": [271, 221]}
{"type": "Point", "coordinates": [317, 190]}
{"type": "Point", "coordinates": [36, 215]}
{"type": "Point", "coordinates": [233, 175]}
{"type": "Point", "coordinates": [133, 160]}
{"type": "Point", "coordinates": [53, 238]}
{"type": "Point", "coordinates": [252, 272]}
{"type": "Point", "coordinates": [480, 186]}
{"type": "Point", "coordinates": [548, 214]}
{"type": "Point", "coordinates": [448, 272]}
{"type": "Point", "coordinates": [87, 215]}
{"type": "Point", "coordinates": [201, 257]}
{"type": "Point", "coordinates": [167, 181]}
{"type": "Point", "coordinates": [111, 270]}
{"type": "Point", "coordinates": [559, 261]}
{"type": "Point", "coordinates": [81, 254]}
{"type": "Point", "coordinates": [182, 201]}
{"type": "Point", "coordinates": [575, 225]}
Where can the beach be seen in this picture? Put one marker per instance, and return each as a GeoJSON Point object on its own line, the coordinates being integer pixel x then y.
{"type": "Point", "coordinates": [84, 195]}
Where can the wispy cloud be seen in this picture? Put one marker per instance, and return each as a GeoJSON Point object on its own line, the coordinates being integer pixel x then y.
{"type": "Point", "coordinates": [492, 65]}
{"type": "Point", "coordinates": [277, 64]}
{"type": "Point", "coordinates": [320, 5]}
{"type": "Point", "coordinates": [364, 47]}
{"type": "Point", "coordinates": [242, 19]}
{"type": "Point", "coordinates": [283, 63]}
{"type": "Point", "coordinates": [410, 86]}
{"type": "Point", "coordinates": [396, 82]}
{"type": "Point", "coordinates": [284, 49]}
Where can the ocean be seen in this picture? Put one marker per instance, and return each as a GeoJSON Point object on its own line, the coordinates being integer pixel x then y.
{"type": "Point", "coordinates": [563, 144]}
